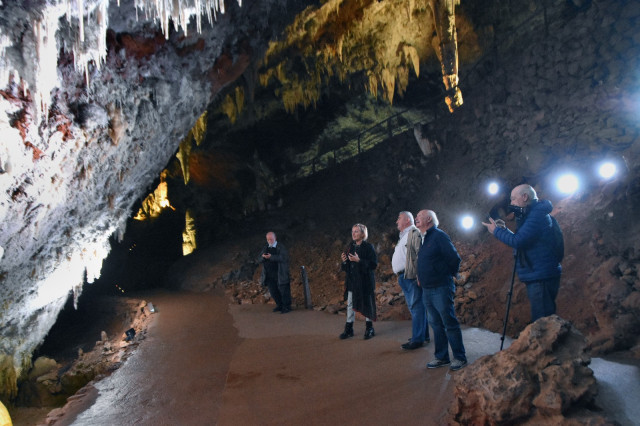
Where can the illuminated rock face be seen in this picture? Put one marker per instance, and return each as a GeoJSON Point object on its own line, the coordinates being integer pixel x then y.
{"type": "Point", "coordinates": [75, 159]}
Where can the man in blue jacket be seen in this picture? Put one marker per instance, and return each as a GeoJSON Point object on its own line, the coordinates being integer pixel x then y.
{"type": "Point", "coordinates": [438, 263]}
{"type": "Point", "coordinates": [537, 261]}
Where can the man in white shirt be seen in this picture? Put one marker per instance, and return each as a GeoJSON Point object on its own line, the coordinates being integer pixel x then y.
{"type": "Point", "coordinates": [404, 264]}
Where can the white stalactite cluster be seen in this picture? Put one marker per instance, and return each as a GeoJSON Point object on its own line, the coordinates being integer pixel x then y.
{"type": "Point", "coordinates": [89, 20]}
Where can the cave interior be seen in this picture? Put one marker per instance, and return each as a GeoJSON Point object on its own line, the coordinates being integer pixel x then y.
{"type": "Point", "coordinates": [138, 137]}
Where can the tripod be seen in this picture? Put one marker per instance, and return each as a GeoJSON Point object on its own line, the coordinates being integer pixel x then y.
{"type": "Point", "coordinates": [506, 317]}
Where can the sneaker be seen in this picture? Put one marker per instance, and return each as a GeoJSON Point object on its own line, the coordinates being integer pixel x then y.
{"type": "Point", "coordinates": [457, 364]}
{"type": "Point", "coordinates": [437, 363]}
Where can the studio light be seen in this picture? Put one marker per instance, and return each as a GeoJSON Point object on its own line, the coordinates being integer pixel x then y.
{"type": "Point", "coordinates": [568, 183]}
{"type": "Point", "coordinates": [607, 170]}
{"type": "Point", "coordinates": [467, 222]}
{"type": "Point", "coordinates": [493, 188]}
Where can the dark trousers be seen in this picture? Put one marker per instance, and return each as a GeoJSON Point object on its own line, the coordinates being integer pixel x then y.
{"type": "Point", "coordinates": [542, 297]}
{"type": "Point", "coordinates": [281, 293]}
{"type": "Point", "coordinates": [439, 302]}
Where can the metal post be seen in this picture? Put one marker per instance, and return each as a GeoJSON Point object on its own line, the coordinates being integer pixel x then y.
{"type": "Point", "coordinates": [307, 290]}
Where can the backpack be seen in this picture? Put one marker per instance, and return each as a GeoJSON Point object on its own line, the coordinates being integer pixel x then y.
{"type": "Point", "coordinates": [557, 239]}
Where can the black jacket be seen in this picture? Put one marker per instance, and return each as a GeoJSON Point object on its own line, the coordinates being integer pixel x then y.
{"type": "Point", "coordinates": [281, 257]}
{"type": "Point", "coordinates": [360, 279]}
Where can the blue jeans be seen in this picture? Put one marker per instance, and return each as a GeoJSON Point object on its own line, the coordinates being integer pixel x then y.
{"type": "Point", "coordinates": [542, 297]}
{"type": "Point", "coordinates": [413, 296]}
{"type": "Point", "coordinates": [445, 325]}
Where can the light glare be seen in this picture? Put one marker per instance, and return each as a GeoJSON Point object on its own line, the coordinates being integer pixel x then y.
{"type": "Point", "coordinates": [467, 222]}
{"type": "Point", "coordinates": [607, 170]}
{"type": "Point", "coordinates": [493, 188]}
{"type": "Point", "coordinates": [568, 184]}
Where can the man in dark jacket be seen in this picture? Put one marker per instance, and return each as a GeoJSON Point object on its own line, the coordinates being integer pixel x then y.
{"type": "Point", "coordinates": [537, 261]}
{"type": "Point", "coordinates": [438, 263]}
{"type": "Point", "coordinates": [275, 273]}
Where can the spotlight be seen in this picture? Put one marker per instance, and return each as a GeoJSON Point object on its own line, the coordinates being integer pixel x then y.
{"type": "Point", "coordinates": [568, 183]}
{"type": "Point", "coordinates": [493, 188]}
{"type": "Point", "coordinates": [607, 170]}
{"type": "Point", "coordinates": [467, 222]}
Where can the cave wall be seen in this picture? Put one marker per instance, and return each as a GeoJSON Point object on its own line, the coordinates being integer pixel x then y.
{"type": "Point", "coordinates": [71, 171]}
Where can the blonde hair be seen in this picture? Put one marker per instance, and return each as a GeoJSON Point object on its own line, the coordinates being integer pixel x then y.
{"type": "Point", "coordinates": [363, 228]}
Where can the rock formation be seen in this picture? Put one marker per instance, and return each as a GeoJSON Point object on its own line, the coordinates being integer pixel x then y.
{"type": "Point", "coordinates": [542, 378]}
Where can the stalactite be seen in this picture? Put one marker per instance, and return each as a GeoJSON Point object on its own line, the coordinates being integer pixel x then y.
{"type": "Point", "coordinates": [382, 41]}
{"type": "Point", "coordinates": [154, 203]}
{"type": "Point", "coordinates": [89, 46]}
{"type": "Point", "coordinates": [189, 234]}
{"type": "Point", "coordinates": [447, 48]}
{"type": "Point", "coordinates": [199, 129]}
{"type": "Point", "coordinates": [183, 156]}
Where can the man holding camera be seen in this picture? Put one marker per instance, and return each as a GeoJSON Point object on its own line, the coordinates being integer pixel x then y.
{"type": "Point", "coordinates": [537, 261]}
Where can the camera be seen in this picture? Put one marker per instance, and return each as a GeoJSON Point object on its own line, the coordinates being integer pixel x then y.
{"type": "Point", "coordinates": [519, 212]}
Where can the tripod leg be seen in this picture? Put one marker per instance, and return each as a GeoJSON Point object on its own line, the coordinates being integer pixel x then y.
{"type": "Point", "coordinates": [506, 317]}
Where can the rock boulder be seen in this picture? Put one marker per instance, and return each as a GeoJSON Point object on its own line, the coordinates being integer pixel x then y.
{"type": "Point", "coordinates": [542, 378]}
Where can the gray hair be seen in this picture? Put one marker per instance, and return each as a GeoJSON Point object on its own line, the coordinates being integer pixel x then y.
{"type": "Point", "coordinates": [531, 192]}
{"type": "Point", "coordinates": [434, 218]}
{"type": "Point", "coordinates": [409, 215]}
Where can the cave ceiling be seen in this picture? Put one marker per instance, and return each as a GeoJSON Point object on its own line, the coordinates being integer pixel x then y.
{"type": "Point", "coordinates": [341, 67]}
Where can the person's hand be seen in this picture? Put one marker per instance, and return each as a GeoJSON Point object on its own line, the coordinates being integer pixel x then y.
{"type": "Point", "coordinates": [491, 226]}
{"type": "Point", "coordinates": [354, 257]}
{"type": "Point", "coordinates": [500, 223]}
{"type": "Point", "coordinates": [344, 257]}
{"type": "Point", "coordinates": [267, 256]}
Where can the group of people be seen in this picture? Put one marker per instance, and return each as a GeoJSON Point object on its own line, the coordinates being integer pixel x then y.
{"type": "Point", "coordinates": [426, 262]}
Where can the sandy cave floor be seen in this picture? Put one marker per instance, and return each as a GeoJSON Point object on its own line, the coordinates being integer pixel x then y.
{"type": "Point", "coordinates": [207, 362]}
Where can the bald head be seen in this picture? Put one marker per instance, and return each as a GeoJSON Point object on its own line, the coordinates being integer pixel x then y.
{"type": "Point", "coordinates": [523, 195]}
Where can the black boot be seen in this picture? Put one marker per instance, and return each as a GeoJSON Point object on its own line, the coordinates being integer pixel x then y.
{"type": "Point", "coordinates": [369, 332]}
{"type": "Point", "coordinates": [348, 331]}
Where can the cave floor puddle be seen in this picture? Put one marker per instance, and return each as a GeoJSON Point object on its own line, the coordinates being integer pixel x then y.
{"type": "Point", "coordinates": [206, 362]}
